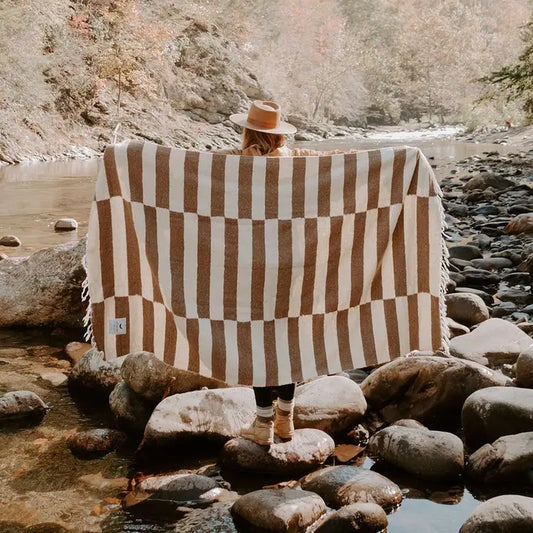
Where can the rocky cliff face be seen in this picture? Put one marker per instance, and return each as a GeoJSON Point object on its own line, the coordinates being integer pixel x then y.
{"type": "Point", "coordinates": [51, 102]}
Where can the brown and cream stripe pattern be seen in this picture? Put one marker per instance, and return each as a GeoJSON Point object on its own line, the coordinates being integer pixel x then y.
{"type": "Point", "coordinates": [266, 270]}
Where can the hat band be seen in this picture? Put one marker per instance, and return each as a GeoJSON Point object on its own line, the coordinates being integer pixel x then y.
{"type": "Point", "coordinates": [261, 123]}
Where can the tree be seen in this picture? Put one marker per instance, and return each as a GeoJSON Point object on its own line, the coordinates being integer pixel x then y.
{"type": "Point", "coordinates": [516, 81]}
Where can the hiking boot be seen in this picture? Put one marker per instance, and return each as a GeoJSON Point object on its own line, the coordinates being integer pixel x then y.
{"type": "Point", "coordinates": [261, 432]}
{"type": "Point", "coordinates": [284, 424]}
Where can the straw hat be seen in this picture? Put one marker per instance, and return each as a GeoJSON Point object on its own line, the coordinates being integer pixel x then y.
{"type": "Point", "coordinates": [263, 116]}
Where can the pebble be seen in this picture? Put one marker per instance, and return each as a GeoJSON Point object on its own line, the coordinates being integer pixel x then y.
{"type": "Point", "coordinates": [524, 368]}
{"type": "Point", "coordinates": [66, 224]}
{"type": "Point", "coordinates": [427, 454]}
{"type": "Point", "coordinates": [503, 514]}
{"type": "Point", "coordinates": [496, 411]}
{"type": "Point", "coordinates": [330, 403]}
{"type": "Point", "coordinates": [306, 451]}
{"type": "Point", "coordinates": [343, 485]}
{"type": "Point", "coordinates": [21, 403]}
{"type": "Point", "coordinates": [465, 251]}
{"type": "Point", "coordinates": [96, 441]}
{"type": "Point", "coordinates": [278, 510]}
{"type": "Point", "coordinates": [10, 240]}
{"type": "Point", "coordinates": [57, 379]}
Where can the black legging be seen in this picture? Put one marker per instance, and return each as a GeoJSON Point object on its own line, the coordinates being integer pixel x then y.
{"type": "Point", "coordinates": [264, 396]}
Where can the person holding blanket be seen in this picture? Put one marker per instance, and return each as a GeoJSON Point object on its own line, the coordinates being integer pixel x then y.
{"type": "Point", "coordinates": [264, 135]}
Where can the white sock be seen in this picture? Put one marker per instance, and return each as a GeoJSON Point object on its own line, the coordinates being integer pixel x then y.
{"type": "Point", "coordinates": [285, 405]}
{"type": "Point", "coordinates": [265, 412]}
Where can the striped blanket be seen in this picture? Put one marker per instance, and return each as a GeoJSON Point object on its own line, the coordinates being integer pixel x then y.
{"type": "Point", "coordinates": [265, 270]}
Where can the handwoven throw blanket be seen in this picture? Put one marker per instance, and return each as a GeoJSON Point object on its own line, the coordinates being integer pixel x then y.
{"type": "Point", "coordinates": [266, 270]}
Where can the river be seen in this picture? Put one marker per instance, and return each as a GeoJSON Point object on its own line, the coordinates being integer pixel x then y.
{"type": "Point", "coordinates": [40, 480]}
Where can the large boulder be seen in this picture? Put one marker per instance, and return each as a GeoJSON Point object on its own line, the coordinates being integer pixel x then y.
{"type": "Point", "coordinates": [493, 342]}
{"type": "Point", "coordinates": [152, 378]}
{"type": "Point", "coordinates": [306, 451]}
{"type": "Point", "coordinates": [131, 410]}
{"type": "Point", "coordinates": [331, 404]}
{"type": "Point", "coordinates": [356, 517]}
{"type": "Point", "coordinates": [429, 389]}
{"type": "Point", "coordinates": [524, 368]}
{"type": "Point", "coordinates": [496, 411]}
{"type": "Point", "coordinates": [343, 485]}
{"type": "Point", "coordinates": [93, 375]}
{"type": "Point", "coordinates": [278, 510]}
{"type": "Point", "coordinates": [423, 453]}
{"type": "Point", "coordinates": [509, 459]}
{"type": "Point", "coordinates": [43, 289]}
{"type": "Point", "coordinates": [503, 514]}
{"type": "Point", "coordinates": [465, 308]}
{"type": "Point", "coordinates": [219, 414]}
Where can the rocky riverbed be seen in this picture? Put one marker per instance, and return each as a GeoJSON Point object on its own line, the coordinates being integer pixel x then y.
{"type": "Point", "coordinates": [95, 446]}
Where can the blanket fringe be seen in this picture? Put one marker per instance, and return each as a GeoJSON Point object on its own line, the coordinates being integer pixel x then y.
{"type": "Point", "coordinates": [85, 297]}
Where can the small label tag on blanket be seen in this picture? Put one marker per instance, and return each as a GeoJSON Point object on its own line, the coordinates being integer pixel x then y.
{"type": "Point", "coordinates": [117, 326]}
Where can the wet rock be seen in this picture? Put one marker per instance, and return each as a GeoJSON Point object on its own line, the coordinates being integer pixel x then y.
{"type": "Point", "coordinates": [409, 423]}
{"type": "Point", "coordinates": [96, 441]}
{"type": "Point", "coordinates": [10, 240]}
{"type": "Point", "coordinates": [493, 342]}
{"type": "Point", "coordinates": [94, 375]}
{"type": "Point", "coordinates": [465, 251]}
{"type": "Point", "coordinates": [520, 224]}
{"type": "Point", "coordinates": [430, 389]}
{"type": "Point", "coordinates": [485, 296]}
{"type": "Point", "coordinates": [22, 403]}
{"type": "Point", "coordinates": [43, 289]}
{"type": "Point", "coordinates": [427, 454]}
{"type": "Point", "coordinates": [215, 518]}
{"type": "Point", "coordinates": [218, 414]}
{"type": "Point", "coordinates": [131, 410]}
{"type": "Point", "coordinates": [492, 263]}
{"type": "Point", "coordinates": [491, 413]}
{"type": "Point", "coordinates": [75, 350]}
{"type": "Point", "coordinates": [307, 450]}
{"type": "Point", "coordinates": [175, 488]}
{"type": "Point", "coordinates": [524, 368]}
{"type": "Point", "coordinates": [503, 514]}
{"type": "Point", "coordinates": [488, 179]}
{"type": "Point", "coordinates": [508, 459]}
{"type": "Point", "coordinates": [456, 328]}
{"type": "Point", "coordinates": [331, 404]}
{"type": "Point", "coordinates": [479, 278]}
{"type": "Point", "coordinates": [467, 309]}
{"type": "Point", "coordinates": [361, 517]}
{"type": "Point", "coordinates": [278, 510]}
{"type": "Point", "coordinates": [66, 224]}
{"type": "Point", "coordinates": [343, 485]}
{"type": "Point", "coordinates": [517, 296]}
{"type": "Point", "coordinates": [56, 379]}
{"type": "Point", "coordinates": [152, 378]}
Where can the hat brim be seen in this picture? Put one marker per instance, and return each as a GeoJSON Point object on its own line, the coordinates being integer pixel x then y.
{"type": "Point", "coordinates": [241, 119]}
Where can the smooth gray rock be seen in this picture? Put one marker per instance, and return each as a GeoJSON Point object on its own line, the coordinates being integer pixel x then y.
{"type": "Point", "coordinates": [278, 510]}
{"type": "Point", "coordinates": [496, 411]}
{"type": "Point", "coordinates": [131, 410]}
{"type": "Point", "coordinates": [356, 517]}
{"type": "Point", "coordinates": [427, 454]}
{"type": "Point", "coordinates": [343, 485]}
{"type": "Point", "coordinates": [96, 441]}
{"type": "Point", "coordinates": [218, 414]}
{"type": "Point", "coordinates": [492, 263]}
{"type": "Point", "coordinates": [467, 309]}
{"type": "Point", "coordinates": [429, 389]}
{"type": "Point", "coordinates": [331, 404]}
{"type": "Point", "coordinates": [56, 379]}
{"type": "Point", "coordinates": [517, 296]}
{"type": "Point", "coordinates": [92, 374]}
{"type": "Point", "coordinates": [21, 403]}
{"type": "Point", "coordinates": [503, 514]}
{"type": "Point", "coordinates": [493, 342]}
{"type": "Point", "coordinates": [455, 328]}
{"type": "Point", "coordinates": [485, 296]}
{"type": "Point", "coordinates": [43, 289]}
{"type": "Point", "coordinates": [524, 368]}
{"type": "Point", "coordinates": [487, 179]}
{"type": "Point", "coordinates": [409, 423]}
{"type": "Point", "coordinates": [66, 224]}
{"type": "Point", "coordinates": [508, 459]}
{"type": "Point", "coordinates": [176, 488]}
{"type": "Point", "coordinates": [306, 451]}
{"type": "Point", "coordinates": [152, 378]}
{"type": "Point", "coordinates": [465, 251]}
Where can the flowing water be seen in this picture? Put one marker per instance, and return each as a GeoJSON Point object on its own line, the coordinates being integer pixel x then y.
{"type": "Point", "coordinates": [40, 480]}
